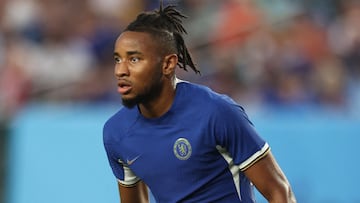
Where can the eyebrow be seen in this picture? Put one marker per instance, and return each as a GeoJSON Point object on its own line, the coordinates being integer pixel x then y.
{"type": "Point", "coordinates": [128, 53]}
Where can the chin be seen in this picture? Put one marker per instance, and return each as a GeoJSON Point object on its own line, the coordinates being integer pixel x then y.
{"type": "Point", "coordinates": [129, 103]}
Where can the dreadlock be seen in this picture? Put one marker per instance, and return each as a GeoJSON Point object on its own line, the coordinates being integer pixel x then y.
{"type": "Point", "coordinates": [166, 25]}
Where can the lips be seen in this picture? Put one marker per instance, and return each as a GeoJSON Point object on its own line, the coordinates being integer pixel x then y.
{"type": "Point", "coordinates": [124, 87]}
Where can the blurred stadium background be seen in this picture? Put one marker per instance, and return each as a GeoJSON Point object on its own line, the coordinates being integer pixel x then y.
{"type": "Point", "coordinates": [293, 64]}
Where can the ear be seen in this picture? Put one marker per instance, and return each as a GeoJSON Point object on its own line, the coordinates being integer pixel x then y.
{"type": "Point", "coordinates": [169, 64]}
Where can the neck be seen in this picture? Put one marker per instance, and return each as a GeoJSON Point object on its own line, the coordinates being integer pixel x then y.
{"type": "Point", "coordinates": [161, 104]}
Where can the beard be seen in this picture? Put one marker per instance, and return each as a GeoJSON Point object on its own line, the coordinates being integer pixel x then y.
{"type": "Point", "coordinates": [129, 103]}
{"type": "Point", "coordinates": [148, 94]}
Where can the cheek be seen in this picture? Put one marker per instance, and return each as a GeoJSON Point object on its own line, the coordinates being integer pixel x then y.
{"type": "Point", "coordinates": [142, 80]}
{"type": "Point", "coordinates": [146, 76]}
{"type": "Point", "coordinates": [151, 81]}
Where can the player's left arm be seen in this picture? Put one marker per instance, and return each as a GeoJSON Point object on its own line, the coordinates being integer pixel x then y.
{"type": "Point", "coordinates": [270, 181]}
{"type": "Point", "coordinates": [137, 193]}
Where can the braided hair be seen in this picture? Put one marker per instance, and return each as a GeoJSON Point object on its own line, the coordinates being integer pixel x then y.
{"type": "Point", "coordinates": [165, 24]}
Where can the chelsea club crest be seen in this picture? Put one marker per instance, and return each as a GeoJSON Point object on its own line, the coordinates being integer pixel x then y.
{"type": "Point", "coordinates": [182, 149]}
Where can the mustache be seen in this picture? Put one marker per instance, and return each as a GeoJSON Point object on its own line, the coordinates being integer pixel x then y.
{"type": "Point", "coordinates": [124, 82]}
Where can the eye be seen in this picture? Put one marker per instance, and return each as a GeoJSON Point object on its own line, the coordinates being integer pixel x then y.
{"type": "Point", "coordinates": [134, 59]}
{"type": "Point", "coordinates": [117, 59]}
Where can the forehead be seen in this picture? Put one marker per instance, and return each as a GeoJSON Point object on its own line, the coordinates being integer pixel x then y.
{"type": "Point", "coordinates": [131, 41]}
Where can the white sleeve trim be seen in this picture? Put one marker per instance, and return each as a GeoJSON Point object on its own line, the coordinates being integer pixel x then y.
{"type": "Point", "coordinates": [130, 178]}
{"type": "Point", "coordinates": [255, 157]}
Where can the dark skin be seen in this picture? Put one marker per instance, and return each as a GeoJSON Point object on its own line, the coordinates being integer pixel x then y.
{"type": "Point", "coordinates": [143, 73]}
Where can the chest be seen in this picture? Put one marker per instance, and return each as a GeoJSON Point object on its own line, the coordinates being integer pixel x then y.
{"type": "Point", "coordinates": [168, 150]}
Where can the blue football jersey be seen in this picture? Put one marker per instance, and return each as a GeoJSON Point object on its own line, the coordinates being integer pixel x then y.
{"type": "Point", "coordinates": [196, 152]}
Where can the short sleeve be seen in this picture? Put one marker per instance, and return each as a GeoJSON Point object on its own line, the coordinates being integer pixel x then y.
{"type": "Point", "coordinates": [122, 172]}
{"type": "Point", "coordinates": [235, 133]}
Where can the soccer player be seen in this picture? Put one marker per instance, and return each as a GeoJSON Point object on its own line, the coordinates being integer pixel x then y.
{"type": "Point", "coordinates": [183, 141]}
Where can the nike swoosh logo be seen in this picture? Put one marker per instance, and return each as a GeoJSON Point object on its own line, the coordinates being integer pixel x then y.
{"type": "Point", "coordinates": [129, 162]}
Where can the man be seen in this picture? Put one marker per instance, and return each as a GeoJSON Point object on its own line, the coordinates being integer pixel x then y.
{"type": "Point", "coordinates": [182, 140]}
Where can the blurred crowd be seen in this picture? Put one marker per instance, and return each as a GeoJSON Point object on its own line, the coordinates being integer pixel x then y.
{"type": "Point", "coordinates": [263, 53]}
{"type": "Point", "coordinates": [260, 52]}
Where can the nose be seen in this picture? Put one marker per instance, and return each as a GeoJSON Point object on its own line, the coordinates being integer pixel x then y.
{"type": "Point", "coordinates": [121, 70]}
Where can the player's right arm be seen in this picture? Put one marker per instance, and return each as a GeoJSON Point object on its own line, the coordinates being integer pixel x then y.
{"type": "Point", "coordinates": [137, 193]}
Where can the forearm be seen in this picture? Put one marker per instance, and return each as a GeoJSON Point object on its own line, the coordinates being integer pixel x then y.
{"type": "Point", "coordinates": [284, 195]}
{"type": "Point", "coordinates": [135, 194]}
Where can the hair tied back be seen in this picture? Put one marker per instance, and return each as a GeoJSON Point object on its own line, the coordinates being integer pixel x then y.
{"type": "Point", "coordinates": [161, 7]}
